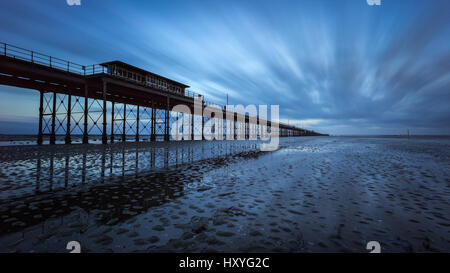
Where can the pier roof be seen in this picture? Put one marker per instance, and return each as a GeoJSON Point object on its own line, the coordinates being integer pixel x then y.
{"type": "Point", "coordinates": [143, 71]}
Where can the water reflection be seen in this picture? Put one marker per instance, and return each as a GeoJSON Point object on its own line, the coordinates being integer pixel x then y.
{"type": "Point", "coordinates": [116, 181]}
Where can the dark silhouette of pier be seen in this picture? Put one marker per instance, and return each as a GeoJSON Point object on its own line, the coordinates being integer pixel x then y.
{"type": "Point", "coordinates": [74, 98]}
{"type": "Point", "coordinates": [119, 174]}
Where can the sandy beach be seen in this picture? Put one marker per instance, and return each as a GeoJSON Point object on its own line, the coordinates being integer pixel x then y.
{"type": "Point", "coordinates": [314, 194]}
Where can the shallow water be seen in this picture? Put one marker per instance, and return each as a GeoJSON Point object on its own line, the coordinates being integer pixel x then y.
{"type": "Point", "coordinates": [315, 194]}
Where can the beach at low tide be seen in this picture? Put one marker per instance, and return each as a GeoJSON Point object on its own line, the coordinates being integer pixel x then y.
{"type": "Point", "coordinates": [314, 194]}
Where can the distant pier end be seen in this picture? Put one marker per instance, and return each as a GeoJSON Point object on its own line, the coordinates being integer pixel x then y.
{"type": "Point", "coordinates": [144, 77]}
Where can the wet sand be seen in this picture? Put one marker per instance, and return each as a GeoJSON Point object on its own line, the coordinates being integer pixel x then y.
{"type": "Point", "coordinates": [315, 194]}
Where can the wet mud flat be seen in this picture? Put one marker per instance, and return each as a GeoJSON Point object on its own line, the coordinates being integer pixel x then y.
{"type": "Point", "coordinates": [314, 194]}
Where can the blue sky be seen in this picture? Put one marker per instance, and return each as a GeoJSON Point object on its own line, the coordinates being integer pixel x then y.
{"type": "Point", "coordinates": [340, 67]}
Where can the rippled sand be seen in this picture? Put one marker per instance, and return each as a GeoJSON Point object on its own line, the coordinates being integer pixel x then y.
{"type": "Point", "coordinates": [315, 194]}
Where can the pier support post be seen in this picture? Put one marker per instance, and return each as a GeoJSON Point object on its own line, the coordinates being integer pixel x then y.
{"type": "Point", "coordinates": [68, 139]}
{"type": "Point", "coordinates": [235, 127]}
{"type": "Point", "coordinates": [41, 116]}
{"type": "Point", "coordinates": [247, 129]}
{"type": "Point", "coordinates": [167, 121]}
{"type": "Point", "coordinates": [104, 136]}
{"type": "Point", "coordinates": [152, 133]}
{"type": "Point", "coordinates": [203, 121]}
{"type": "Point", "coordinates": [137, 124]}
{"type": "Point", "coordinates": [52, 134]}
{"type": "Point", "coordinates": [112, 122]}
{"type": "Point", "coordinates": [86, 113]}
{"type": "Point", "coordinates": [124, 128]}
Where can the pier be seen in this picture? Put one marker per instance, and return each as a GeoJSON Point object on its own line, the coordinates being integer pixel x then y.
{"type": "Point", "coordinates": [112, 99]}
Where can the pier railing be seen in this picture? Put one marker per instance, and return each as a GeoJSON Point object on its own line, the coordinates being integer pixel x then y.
{"type": "Point", "coordinates": [42, 59]}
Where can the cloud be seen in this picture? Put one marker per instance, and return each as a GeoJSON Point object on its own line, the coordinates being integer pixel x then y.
{"type": "Point", "coordinates": [340, 67]}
